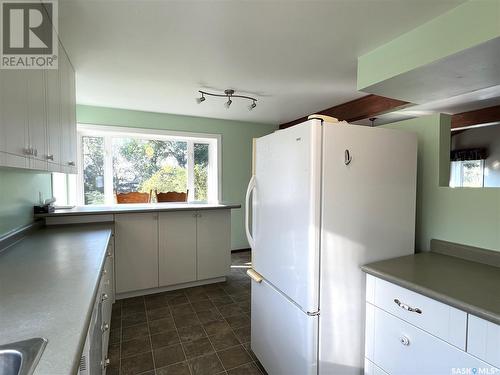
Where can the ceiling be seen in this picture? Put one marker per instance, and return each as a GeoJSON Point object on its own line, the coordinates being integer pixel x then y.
{"type": "Point", "coordinates": [296, 57]}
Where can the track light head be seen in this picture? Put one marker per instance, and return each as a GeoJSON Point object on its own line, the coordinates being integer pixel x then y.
{"type": "Point", "coordinates": [200, 100]}
{"type": "Point", "coordinates": [228, 103]}
{"type": "Point", "coordinates": [252, 106]}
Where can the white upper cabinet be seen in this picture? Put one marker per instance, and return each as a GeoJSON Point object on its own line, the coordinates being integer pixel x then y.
{"type": "Point", "coordinates": [68, 116]}
{"type": "Point", "coordinates": [52, 105]}
{"type": "Point", "coordinates": [14, 118]}
{"type": "Point", "coordinates": [37, 121]}
{"type": "Point", "coordinates": [38, 118]}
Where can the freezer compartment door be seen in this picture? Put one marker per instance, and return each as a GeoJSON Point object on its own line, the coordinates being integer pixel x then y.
{"type": "Point", "coordinates": [287, 211]}
{"type": "Point", "coordinates": [284, 338]}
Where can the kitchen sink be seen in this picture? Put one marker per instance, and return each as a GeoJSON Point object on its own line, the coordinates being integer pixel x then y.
{"type": "Point", "coordinates": [21, 358]}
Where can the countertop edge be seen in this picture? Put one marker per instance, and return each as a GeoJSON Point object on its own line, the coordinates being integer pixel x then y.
{"type": "Point", "coordinates": [461, 305]}
{"type": "Point", "coordinates": [136, 210]}
{"type": "Point", "coordinates": [90, 309]}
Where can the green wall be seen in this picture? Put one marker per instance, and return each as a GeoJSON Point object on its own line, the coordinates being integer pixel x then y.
{"type": "Point", "coordinates": [18, 193]}
{"type": "Point", "coordinates": [465, 26]}
{"type": "Point", "coordinates": [464, 215]}
{"type": "Point", "coordinates": [236, 148]}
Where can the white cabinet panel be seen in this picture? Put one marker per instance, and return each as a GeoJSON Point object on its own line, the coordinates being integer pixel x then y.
{"type": "Point", "coordinates": [401, 348]}
{"type": "Point", "coordinates": [72, 119]}
{"type": "Point", "coordinates": [444, 321]}
{"type": "Point", "coordinates": [67, 108]}
{"type": "Point", "coordinates": [214, 243]}
{"type": "Point", "coordinates": [484, 340]}
{"type": "Point", "coordinates": [52, 103]}
{"type": "Point", "coordinates": [14, 118]}
{"type": "Point", "coordinates": [136, 251]}
{"type": "Point", "coordinates": [177, 247]}
{"type": "Point", "coordinates": [37, 119]}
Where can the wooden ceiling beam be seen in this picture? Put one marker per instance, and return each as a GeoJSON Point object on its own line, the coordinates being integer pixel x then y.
{"type": "Point", "coordinates": [477, 117]}
{"type": "Point", "coordinates": [366, 107]}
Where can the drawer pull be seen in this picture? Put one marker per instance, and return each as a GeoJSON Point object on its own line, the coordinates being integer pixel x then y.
{"type": "Point", "coordinates": [404, 340]}
{"type": "Point", "coordinates": [105, 327]}
{"type": "Point", "coordinates": [406, 307]}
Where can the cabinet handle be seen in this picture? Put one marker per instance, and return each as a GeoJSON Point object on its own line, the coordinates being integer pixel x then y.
{"type": "Point", "coordinates": [35, 152]}
{"type": "Point", "coordinates": [72, 163]}
{"type": "Point", "coordinates": [105, 272]}
{"type": "Point", "coordinates": [404, 340]}
{"type": "Point", "coordinates": [108, 254]}
{"type": "Point", "coordinates": [50, 157]}
{"type": "Point", "coordinates": [105, 363]}
{"type": "Point", "coordinates": [104, 297]}
{"type": "Point", "coordinates": [105, 327]}
{"type": "Point", "coordinates": [28, 151]}
{"type": "Point", "coordinates": [406, 307]}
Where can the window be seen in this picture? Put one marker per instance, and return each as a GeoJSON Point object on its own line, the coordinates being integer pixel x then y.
{"type": "Point", "coordinates": [467, 173]}
{"type": "Point", "coordinates": [120, 160]}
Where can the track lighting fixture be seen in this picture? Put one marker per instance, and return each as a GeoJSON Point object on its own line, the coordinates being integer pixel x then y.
{"type": "Point", "coordinates": [229, 94]}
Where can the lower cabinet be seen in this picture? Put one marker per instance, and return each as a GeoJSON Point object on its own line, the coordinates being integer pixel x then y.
{"type": "Point", "coordinates": [403, 340]}
{"type": "Point", "coordinates": [213, 233]}
{"type": "Point", "coordinates": [94, 360]}
{"type": "Point", "coordinates": [169, 248]}
{"type": "Point", "coordinates": [177, 247]}
{"type": "Point", "coordinates": [136, 251]}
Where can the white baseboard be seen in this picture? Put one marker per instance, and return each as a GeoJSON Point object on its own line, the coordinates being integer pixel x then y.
{"type": "Point", "coordinates": [144, 292]}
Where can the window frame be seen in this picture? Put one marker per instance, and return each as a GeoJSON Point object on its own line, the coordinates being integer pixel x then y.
{"type": "Point", "coordinates": [214, 170]}
{"type": "Point", "coordinates": [457, 173]}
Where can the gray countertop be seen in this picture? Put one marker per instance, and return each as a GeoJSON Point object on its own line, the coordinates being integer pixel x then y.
{"type": "Point", "coordinates": [149, 207]}
{"type": "Point", "coordinates": [469, 286]}
{"type": "Point", "coordinates": [48, 284]}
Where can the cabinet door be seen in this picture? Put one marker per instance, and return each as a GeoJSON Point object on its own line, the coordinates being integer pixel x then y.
{"type": "Point", "coordinates": [136, 251]}
{"type": "Point", "coordinates": [66, 130]}
{"type": "Point", "coordinates": [213, 234]}
{"type": "Point", "coordinates": [14, 118]}
{"type": "Point", "coordinates": [177, 254]}
{"type": "Point", "coordinates": [71, 109]}
{"type": "Point", "coordinates": [37, 119]}
{"type": "Point", "coordinates": [52, 104]}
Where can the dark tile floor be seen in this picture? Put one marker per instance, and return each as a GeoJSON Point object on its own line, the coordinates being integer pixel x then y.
{"type": "Point", "coordinates": [203, 330]}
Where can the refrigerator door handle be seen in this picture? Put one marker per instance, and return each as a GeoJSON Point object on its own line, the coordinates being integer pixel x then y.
{"type": "Point", "coordinates": [254, 275]}
{"type": "Point", "coordinates": [251, 187]}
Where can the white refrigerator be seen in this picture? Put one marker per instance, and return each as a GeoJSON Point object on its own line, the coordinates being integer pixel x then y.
{"type": "Point", "coordinates": [326, 199]}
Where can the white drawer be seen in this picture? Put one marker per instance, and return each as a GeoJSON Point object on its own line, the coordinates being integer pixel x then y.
{"type": "Point", "coordinates": [484, 340]}
{"type": "Point", "coordinates": [443, 321]}
{"type": "Point", "coordinates": [401, 348]}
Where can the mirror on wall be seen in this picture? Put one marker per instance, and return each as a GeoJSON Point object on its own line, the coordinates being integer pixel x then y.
{"type": "Point", "coordinates": [475, 157]}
